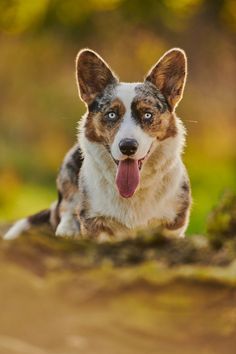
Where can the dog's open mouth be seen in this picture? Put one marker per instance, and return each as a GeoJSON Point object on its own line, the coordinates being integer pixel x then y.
{"type": "Point", "coordinates": [128, 175]}
{"type": "Point", "coordinates": [140, 162]}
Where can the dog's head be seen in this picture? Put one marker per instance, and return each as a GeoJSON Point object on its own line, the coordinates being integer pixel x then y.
{"type": "Point", "coordinates": [129, 118]}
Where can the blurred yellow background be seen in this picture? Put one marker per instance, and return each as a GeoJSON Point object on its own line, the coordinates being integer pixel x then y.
{"type": "Point", "coordinates": [39, 105]}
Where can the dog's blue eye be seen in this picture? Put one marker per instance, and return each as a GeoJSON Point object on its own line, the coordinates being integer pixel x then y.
{"type": "Point", "coordinates": [148, 115]}
{"type": "Point", "coordinates": [112, 115]}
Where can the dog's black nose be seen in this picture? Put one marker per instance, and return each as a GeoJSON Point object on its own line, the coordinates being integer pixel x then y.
{"type": "Point", "coordinates": [128, 146]}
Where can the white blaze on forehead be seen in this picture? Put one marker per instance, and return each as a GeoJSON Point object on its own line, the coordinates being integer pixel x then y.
{"type": "Point", "coordinates": [129, 128]}
{"type": "Point", "coordinates": [126, 92]}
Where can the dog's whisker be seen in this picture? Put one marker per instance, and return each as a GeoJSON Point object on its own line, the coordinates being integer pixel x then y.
{"type": "Point", "coordinates": [192, 121]}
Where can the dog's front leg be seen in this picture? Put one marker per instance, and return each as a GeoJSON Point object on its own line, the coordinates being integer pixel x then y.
{"type": "Point", "coordinates": [178, 227]}
{"type": "Point", "coordinates": [67, 185]}
{"type": "Point", "coordinates": [69, 225]}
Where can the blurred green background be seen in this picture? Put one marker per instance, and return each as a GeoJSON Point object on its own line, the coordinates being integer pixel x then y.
{"type": "Point", "coordinates": [39, 105]}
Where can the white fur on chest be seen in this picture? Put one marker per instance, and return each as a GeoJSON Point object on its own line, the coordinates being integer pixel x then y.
{"type": "Point", "coordinates": [148, 203]}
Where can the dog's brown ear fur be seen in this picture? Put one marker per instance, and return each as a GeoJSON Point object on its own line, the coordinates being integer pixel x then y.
{"type": "Point", "coordinates": [169, 75]}
{"type": "Point", "coordinates": [93, 75]}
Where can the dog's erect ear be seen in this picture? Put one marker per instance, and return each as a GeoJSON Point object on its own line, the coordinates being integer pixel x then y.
{"type": "Point", "coordinates": [93, 75]}
{"type": "Point", "coordinates": [169, 75]}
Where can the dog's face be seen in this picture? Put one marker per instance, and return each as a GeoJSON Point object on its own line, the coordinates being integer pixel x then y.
{"type": "Point", "coordinates": [129, 118]}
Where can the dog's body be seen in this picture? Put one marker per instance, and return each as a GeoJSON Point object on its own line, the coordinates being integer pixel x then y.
{"type": "Point", "coordinates": [126, 170]}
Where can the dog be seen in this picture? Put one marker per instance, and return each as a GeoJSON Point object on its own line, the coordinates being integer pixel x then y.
{"type": "Point", "coordinates": [126, 170]}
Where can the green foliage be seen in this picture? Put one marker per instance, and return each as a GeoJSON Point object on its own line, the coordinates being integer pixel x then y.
{"type": "Point", "coordinates": [221, 223]}
{"type": "Point", "coordinates": [23, 16]}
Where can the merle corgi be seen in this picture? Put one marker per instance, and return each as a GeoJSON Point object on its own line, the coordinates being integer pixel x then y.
{"type": "Point", "coordinates": [126, 171]}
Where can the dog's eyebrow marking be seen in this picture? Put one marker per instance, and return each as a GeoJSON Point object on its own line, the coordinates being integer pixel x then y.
{"type": "Point", "coordinates": [116, 105]}
{"type": "Point", "coordinates": [148, 92]}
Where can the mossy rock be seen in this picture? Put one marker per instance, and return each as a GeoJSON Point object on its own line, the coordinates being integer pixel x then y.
{"type": "Point", "coordinates": [150, 294]}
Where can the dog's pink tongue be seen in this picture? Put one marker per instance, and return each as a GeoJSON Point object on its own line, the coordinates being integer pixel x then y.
{"type": "Point", "coordinates": [127, 177]}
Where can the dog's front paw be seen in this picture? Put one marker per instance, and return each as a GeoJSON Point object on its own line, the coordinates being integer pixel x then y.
{"type": "Point", "coordinates": [68, 227]}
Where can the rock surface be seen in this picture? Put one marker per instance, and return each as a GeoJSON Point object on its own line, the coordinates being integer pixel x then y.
{"type": "Point", "coordinates": [147, 295]}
